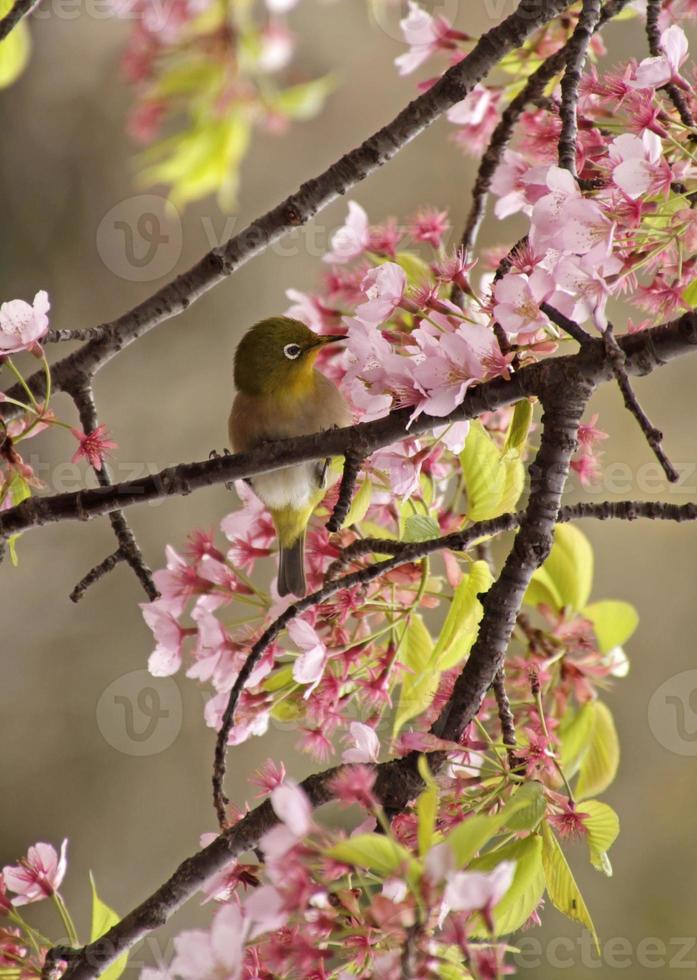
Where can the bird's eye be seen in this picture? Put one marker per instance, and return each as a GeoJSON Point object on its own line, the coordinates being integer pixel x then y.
{"type": "Point", "coordinates": [292, 351]}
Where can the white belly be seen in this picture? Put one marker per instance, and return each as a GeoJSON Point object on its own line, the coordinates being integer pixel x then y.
{"type": "Point", "coordinates": [293, 486]}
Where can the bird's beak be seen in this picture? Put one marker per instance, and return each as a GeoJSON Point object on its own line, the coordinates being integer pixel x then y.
{"type": "Point", "coordinates": [334, 338]}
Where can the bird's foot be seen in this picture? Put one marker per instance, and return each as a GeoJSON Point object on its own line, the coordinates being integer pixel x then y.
{"type": "Point", "coordinates": [214, 454]}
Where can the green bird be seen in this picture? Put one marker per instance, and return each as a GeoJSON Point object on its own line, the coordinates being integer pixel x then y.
{"type": "Point", "coordinates": [281, 394]}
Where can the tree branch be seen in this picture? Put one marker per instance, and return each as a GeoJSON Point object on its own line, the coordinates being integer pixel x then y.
{"type": "Point", "coordinates": [644, 352]}
{"type": "Point", "coordinates": [17, 12]}
{"type": "Point", "coordinates": [296, 210]}
{"type": "Point", "coordinates": [575, 62]}
{"type": "Point", "coordinates": [653, 35]}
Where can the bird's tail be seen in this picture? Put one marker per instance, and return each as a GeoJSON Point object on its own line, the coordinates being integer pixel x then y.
{"type": "Point", "coordinates": [291, 569]}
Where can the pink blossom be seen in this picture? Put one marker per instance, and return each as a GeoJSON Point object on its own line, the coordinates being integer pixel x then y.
{"type": "Point", "coordinates": [517, 185]}
{"type": "Point", "coordinates": [352, 239]}
{"type": "Point", "coordinates": [424, 34]}
{"type": "Point", "coordinates": [635, 162]}
{"type": "Point", "coordinates": [665, 68]}
{"type": "Point", "coordinates": [477, 115]}
{"type": "Point", "coordinates": [166, 659]}
{"type": "Point", "coordinates": [276, 47]}
{"type": "Point", "coordinates": [264, 908]}
{"type": "Point", "coordinates": [585, 226]}
{"type": "Point", "coordinates": [401, 466]}
{"type": "Point", "coordinates": [309, 666]}
{"type": "Point", "coordinates": [477, 891]}
{"type": "Point", "coordinates": [281, 6]}
{"type": "Point", "coordinates": [268, 777]}
{"type": "Point", "coordinates": [384, 287]}
{"type": "Point", "coordinates": [250, 719]}
{"type": "Point", "coordinates": [354, 784]}
{"type": "Point", "coordinates": [178, 582]}
{"type": "Point", "coordinates": [569, 822]}
{"type": "Point", "coordinates": [366, 744]}
{"type": "Point", "coordinates": [518, 300]}
{"type": "Point", "coordinates": [429, 225]}
{"type": "Point", "coordinates": [22, 325]}
{"type": "Point", "coordinates": [586, 279]}
{"type": "Point", "coordinates": [548, 214]}
{"type": "Point", "coordinates": [292, 807]}
{"type": "Point", "coordinates": [201, 955]}
{"type": "Point", "coordinates": [93, 446]}
{"type": "Point", "coordinates": [454, 360]}
{"type": "Point", "coordinates": [38, 875]}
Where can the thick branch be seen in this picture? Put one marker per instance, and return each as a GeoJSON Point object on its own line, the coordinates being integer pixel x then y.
{"type": "Point", "coordinates": [643, 352]}
{"type": "Point", "coordinates": [313, 196]}
{"type": "Point", "coordinates": [19, 10]}
{"type": "Point", "coordinates": [563, 408]}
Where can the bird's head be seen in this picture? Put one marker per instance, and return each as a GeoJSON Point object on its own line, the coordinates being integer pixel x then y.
{"type": "Point", "coordinates": [277, 353]}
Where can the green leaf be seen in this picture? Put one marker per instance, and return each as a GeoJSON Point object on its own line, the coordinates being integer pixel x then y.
{"type": "Point", "coordinates": [304, 101]}
{"type": "Point", "coordinates": [420, 527]}
{"type": "Point", "coordinates": [599, 764]}
{"type": "Point", "coordinates": [461, 624]}
{"type": "Point", "coordinates": [416, 269]}
{"type": "Point", "coordinates": [376, 852]}
{"type": "Point", "coordinates": [575, 735]}
{"type": "Point", "coordinates": [603, 826]}
{"type": "Point", "coordinates": [561, 886]}
{"type": "Point", "coordinates": [525, 808]}
{"type": "Point", "coordinates": [474, 832]}
{"type": "Point", "coordinates": [12, 546]}
{"type": "Point", "coordinates": [527, 887]}
{"type": "Point", "coordinates": [426, 808]}
{"type": "Point", "coordinates": [542, 591]}
{"type": "Point", "coordinates": [494, 480]}
{"type": "Point", "coordinates": [614, 622]}
{"type": "Point", "coordinates": [103, 918]}
{"type": "Point", "coordinates": [14, 50]}
{"type": "Point", "coordinates": [420, 681]}
{"type": "Point", "coordinates": [568, 568]}
{"type": "Point", "coordinates": [359, 504]}
{"type": "Point", "coordinates": [189, 78]}
{"type": "Point", "coordinates": [689, 295]}
{"type": "Point", "coordinates": [517, 434]}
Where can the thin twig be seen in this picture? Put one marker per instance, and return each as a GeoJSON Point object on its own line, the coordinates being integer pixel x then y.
{"type": "Point", "coordinates": [580, 335]}
{"type": "Point", "coordinates": [68, 333]}
{"type": "Point", "coordinates": [19, 10]}
{"type": "Point", "coordinates": [653, 436]}
{"type": "Point", "coordinates": [575, 63]}
{"type": "Point", "coordinates": [503, 705]}
{"type": "Point", "coordinates": [128, 549]}
{"type": "Point", "coordinates": [352, 467]}
{"type": "Point", "coordinates": [103, 568]}
{"type": "Point", "coordinates": [653, 35]}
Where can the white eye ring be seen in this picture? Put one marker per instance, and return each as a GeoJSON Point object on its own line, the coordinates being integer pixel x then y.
{"type": "Point", "coordinates": [292, 351]}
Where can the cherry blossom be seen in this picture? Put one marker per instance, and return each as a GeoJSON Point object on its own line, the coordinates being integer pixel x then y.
{"type": "Point", "coordinates": [384, 288]}
{"type": "Point", "coordinates": [366, 745]}
{"type": "Point", "coordinates": [424, 34]}
{"type": "Point", "coordinates": [22, 325]}
{"type": "Point", "coordinates": [352, 239]}
{"type": "Point", "coordinates": [665, 68]}
{"type": "Point", "coordinates": [37, 876]}
{"type": "Point", "coordinates": [93, 446]}
{"type": "Point", "coordinates": [309, 666]}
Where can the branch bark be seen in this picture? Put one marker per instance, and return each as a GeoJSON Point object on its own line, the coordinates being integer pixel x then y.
{"type": "Point", "coordinates": [17, 12]}
{"type": "Point", "coordinates": [643, 352]}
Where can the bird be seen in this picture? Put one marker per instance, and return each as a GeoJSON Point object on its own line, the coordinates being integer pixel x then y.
{"type": "Point", "coordinates": [281, 394]}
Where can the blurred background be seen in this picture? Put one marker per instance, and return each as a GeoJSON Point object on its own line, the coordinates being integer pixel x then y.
{"type": "Point", "coordinates": [79, 757]}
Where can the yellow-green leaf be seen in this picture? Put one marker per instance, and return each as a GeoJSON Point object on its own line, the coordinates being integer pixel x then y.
{"type": "Point", "coordinates": [603, 826]}
{"type": "Point", "coordinates": [376, 852]}
{"type": "Point", "coordinates": [461, 625]}
{"type": "Point", "coordinates": [614, 622]}
{"type": "Point", "coordinates": [420, 679]}
{"type": "Point", "coordinates": [575, 735]}
{"type": "Point", "coordinates": [103, 918]}
{"type": "Point", "coordinates": [527, 887]}
{"type": "Point", "coordinates": [474, 832]}
{"type": "Point", "coordinates": [426, 808]}
{"type": "Point", "coordinates": [359, 504]}
{"type": "Point", "coordinates": [599, 764]}
{"type": "Point", "coordinates": [14, 50]}
{"type": "Point", "coordinates": [420, 527]}
{"type": "Point", "coordinates": [304, 101]}
{"type": "Point", "coordinates": [569, 568]}
{"type": "Point", "coordinates": [561, 885]}
{"type": "Point", "coordinates": [494, 480]}
{"type": "Point", "coordinates": [517, 434]}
